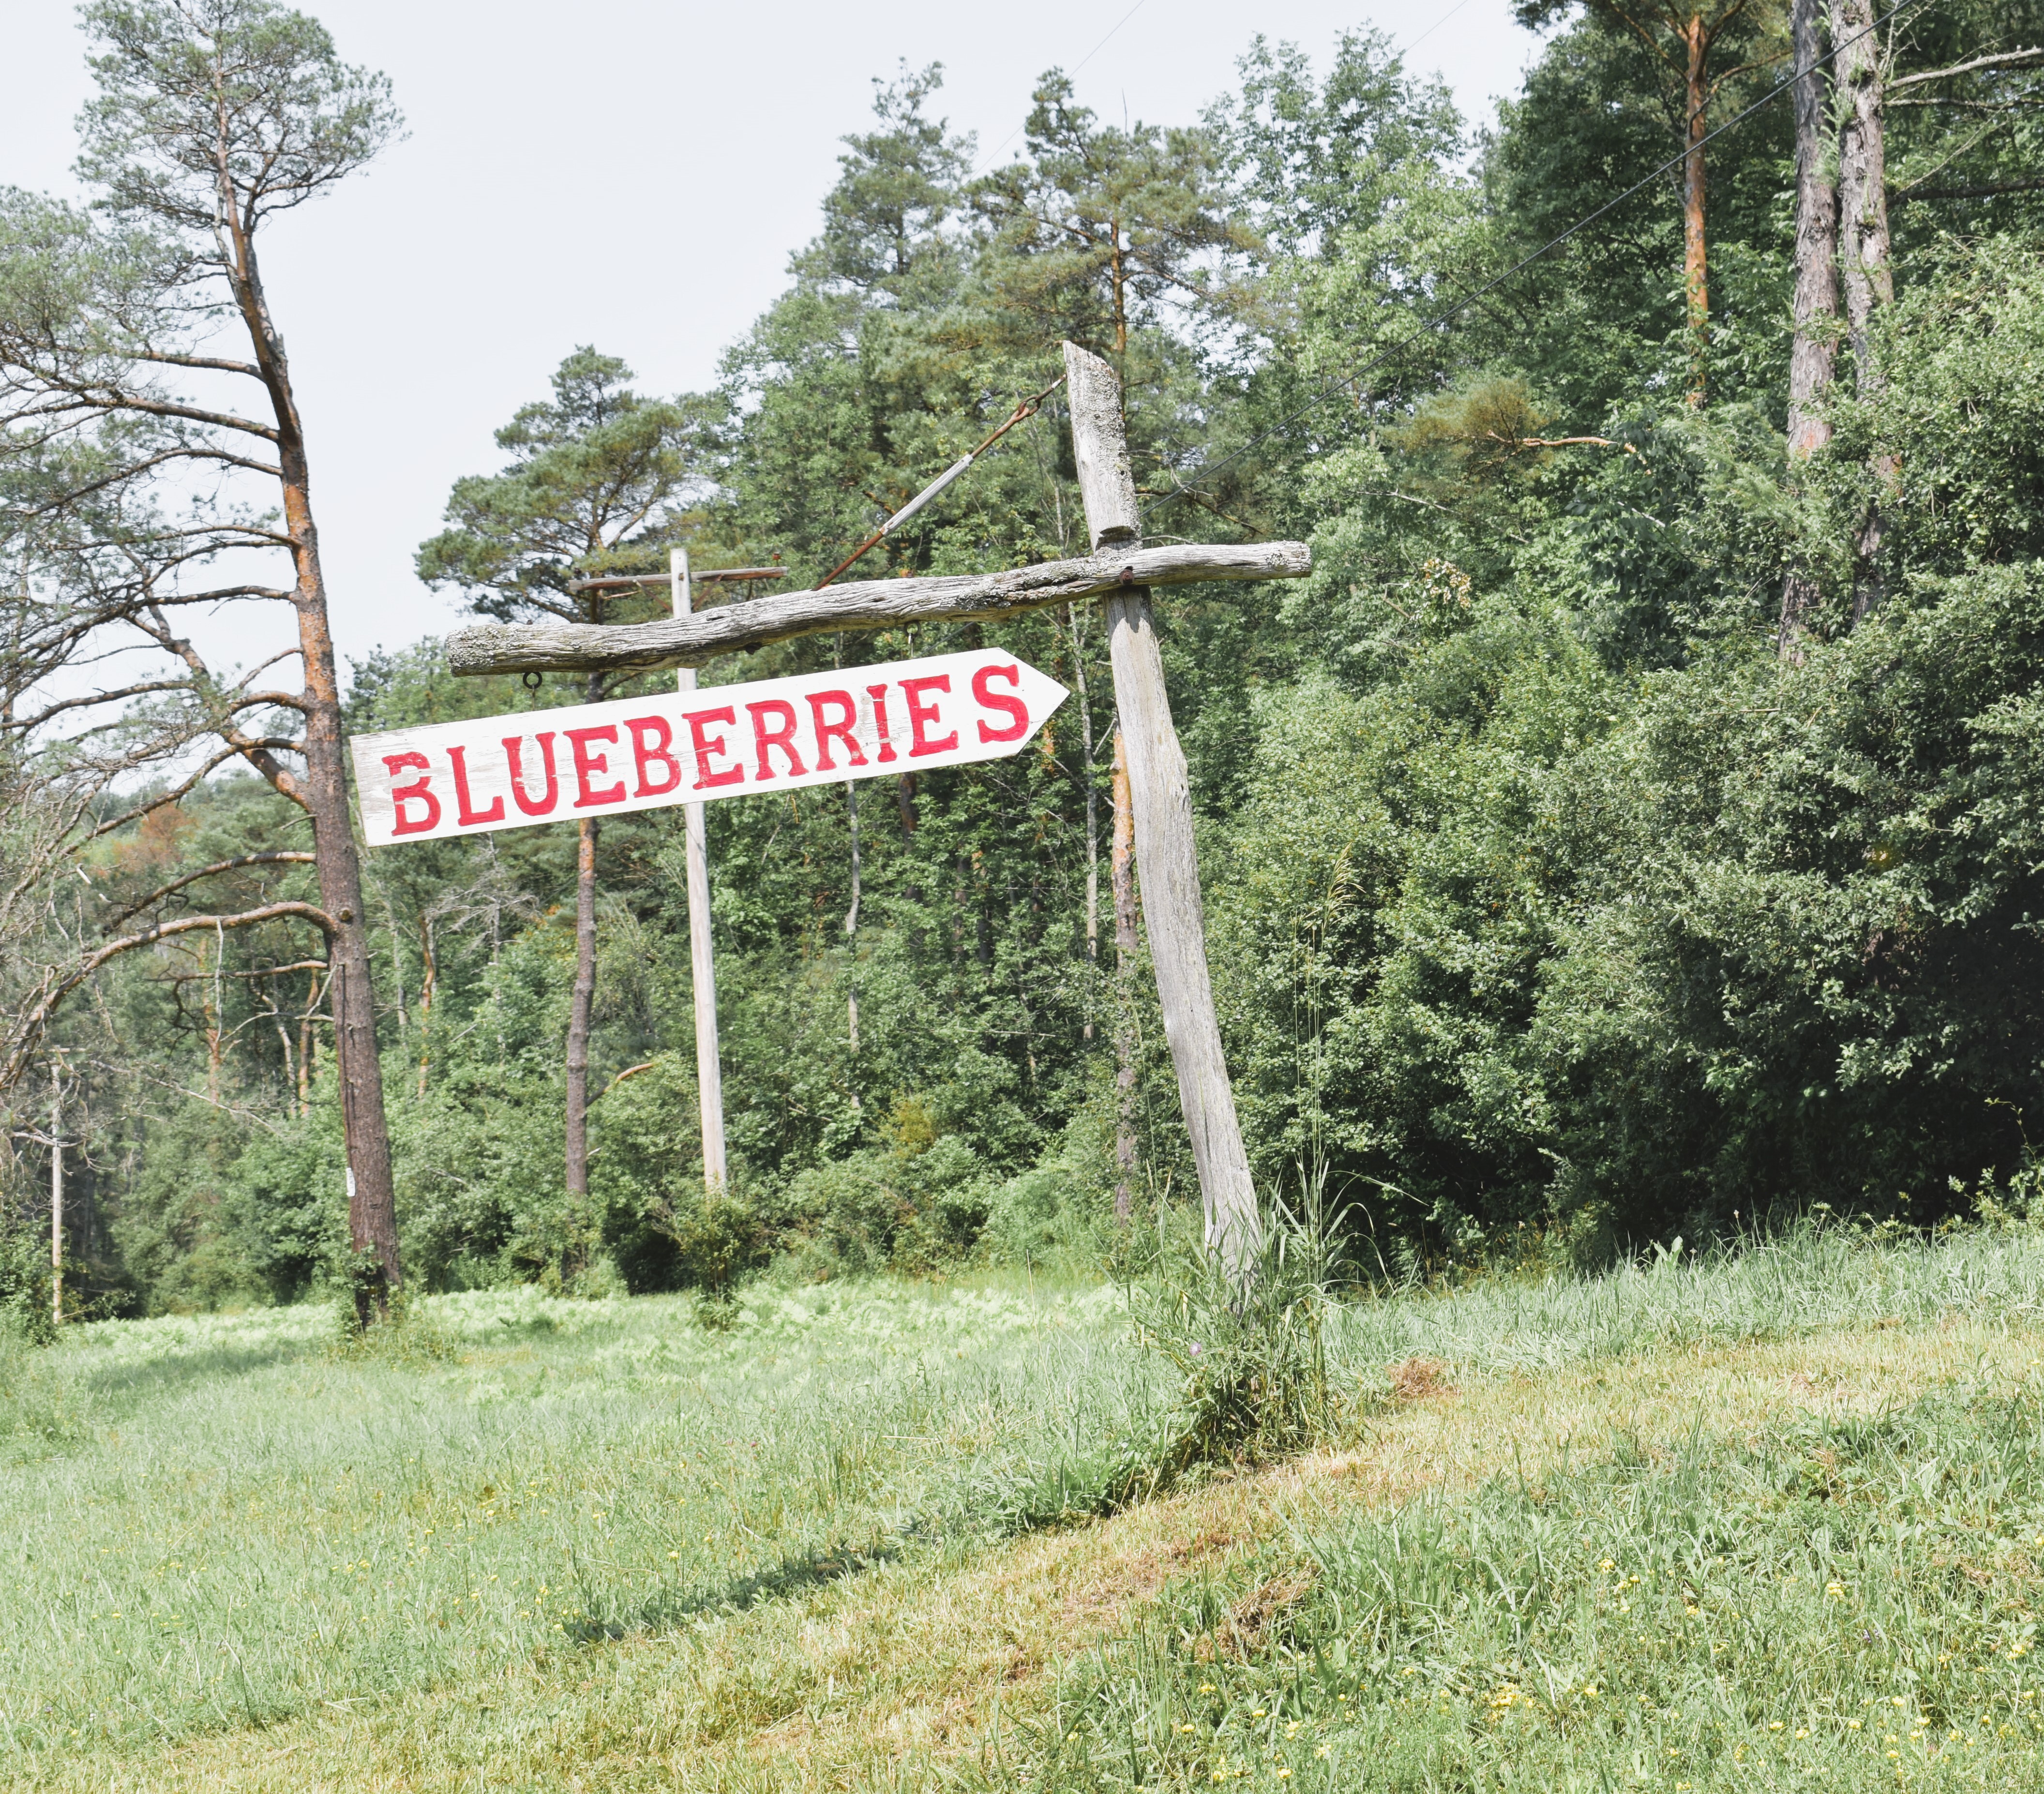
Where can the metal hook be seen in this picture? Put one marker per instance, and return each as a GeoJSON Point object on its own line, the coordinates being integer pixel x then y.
{"type": "Point", "coordinates": [532, 682]}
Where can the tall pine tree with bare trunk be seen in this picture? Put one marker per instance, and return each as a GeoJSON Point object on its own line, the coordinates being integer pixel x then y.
{"type": "Point", "coordinates": [123, 345]}
{"type": "Point", "coordinates": [1688, 43]}
{"type": "Point", "coordinates": [597, 478]}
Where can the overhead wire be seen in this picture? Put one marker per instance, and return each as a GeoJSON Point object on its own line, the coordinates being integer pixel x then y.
{"type": "Point", "coordinates": [1353, 377]}
{"type": "Point", "coordinates": [1435, 26]}
{"type": "Point", "coordinates": [1075, 69]}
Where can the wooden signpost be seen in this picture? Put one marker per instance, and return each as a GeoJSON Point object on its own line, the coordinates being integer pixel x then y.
{"type": "Point", "coordinates": [865, 603]}
{"type": "Point", "coordinates": [817, 729]}
{"type": "Point", "coordinates": [702, 958]}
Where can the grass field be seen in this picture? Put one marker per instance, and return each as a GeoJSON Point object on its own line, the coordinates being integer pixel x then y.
{"type": "Point", "coordinates": [1770, 1521]}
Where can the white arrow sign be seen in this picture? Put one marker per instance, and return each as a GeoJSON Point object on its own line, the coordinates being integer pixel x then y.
{"type": "Point", "coordinates": [689, 747]}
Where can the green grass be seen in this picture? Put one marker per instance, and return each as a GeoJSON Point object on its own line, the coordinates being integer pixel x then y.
{"type": "Point", "coordinates": [1678, 1526]}
{"type": "Point", "coordinates": [222, 1522]}
{"type": "Point", "coordinates": [1849, 1602]}
{"type": "Point", "coordinates": [1850, 1605]}
{"type": "Point", "coordinates": [1814, 1280]}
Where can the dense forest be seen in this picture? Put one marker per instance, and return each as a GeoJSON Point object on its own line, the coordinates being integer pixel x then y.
{"type": "Point", "coordinates": [1629, 830]}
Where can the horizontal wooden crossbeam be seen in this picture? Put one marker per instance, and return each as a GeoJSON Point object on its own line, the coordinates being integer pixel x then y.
{"type": "Point", "coordinates": [871, 603]}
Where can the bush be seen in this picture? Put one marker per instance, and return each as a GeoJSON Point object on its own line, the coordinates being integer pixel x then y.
{"type": "Point", "coordinates": [24, 1281]}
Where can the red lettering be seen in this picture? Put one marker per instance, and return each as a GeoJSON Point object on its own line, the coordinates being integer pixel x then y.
{"type": "Point", "coordinates": [841, 727]}
{"type": "Point", "coordinates": [878, 694]}
{"type": "Point", "coordinates": [1017, 711]}
{"type": "Point", "coordinates": [589, 765]}
{"type": "Point", "coordinates": [512, 746]}
{"type": "Point", "coordinates": [465, 812]}
{"type": "Point", "coordinates": [415, 792]}
{"type": "Point", "coordinates": [706, 746]}
{"type": "Point", "coordinates": [782, 738]}
{"type": "Point", "coordinates": [650, 740]}
{"type": "Point", "coordinates": [922, 715]}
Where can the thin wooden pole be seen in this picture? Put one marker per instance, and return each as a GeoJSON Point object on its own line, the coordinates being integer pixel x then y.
{"type": "Point", "coordinates": [1166, 865]}
{"type": "Point", "coordinates": [709, 1071]}
{"type": "Point", "coordinates": [56, 1198]}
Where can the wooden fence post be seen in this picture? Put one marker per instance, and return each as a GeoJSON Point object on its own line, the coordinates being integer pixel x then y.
{"type": "Point", "coordinates": [702, 965]}
{"type": "Point", "coordinates": [1166, 867]}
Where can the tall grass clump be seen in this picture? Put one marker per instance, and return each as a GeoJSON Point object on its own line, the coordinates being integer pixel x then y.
{"type": "Point", "coordinates": [41, 1410]}
{"type": "Point", "coordinates": [1247, 1347]}
{"type": "Point", "coordinates": [405, 1333]}
{"type": "Point", "coordinates": [1234, 1373]}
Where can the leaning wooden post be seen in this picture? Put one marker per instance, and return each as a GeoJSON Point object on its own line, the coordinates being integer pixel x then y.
{"type": "Point", "coordinates": [1166, 867]}
{"type": "Point", "coordinates": [709, 1070]}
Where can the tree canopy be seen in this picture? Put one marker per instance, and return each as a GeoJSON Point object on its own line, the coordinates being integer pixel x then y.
{"type": "Point", "coordinates": [1552, 910]}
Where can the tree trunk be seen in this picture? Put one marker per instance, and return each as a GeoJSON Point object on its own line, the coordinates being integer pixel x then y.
{"type": "Point", "coordinates": [308, 1045]}
{"type": "Point", "coordinates": [216, 1021]}
{"type": "Point", "coordinates": [1813, 354]}
{"type": "Point", "coordinates": [284, 1046]}
{"type": "Point", "coordinates": [1696, 255]}
{"type": "Point", "coordinates": [585, 993]}
{"type": "Point", "coordinates": [1863, 254]}
{"type": "Point", "coordinates": [372, 1209]}
{"type": "Point", "coordinates": [56, 1195]}
{"type": "Point", "coordinates": [1862, 183]}
{"type": "Point", "coordinates": [1122, 873]}
{"type": "Point", "coordinates": [429, 983]}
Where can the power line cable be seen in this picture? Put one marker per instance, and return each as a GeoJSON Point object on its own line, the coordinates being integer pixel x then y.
{"type": "Point", "coordinates": [1075, 69]}
{"type": "Point", "coordinates": [1433, 28]}
{"type": "Point", "coordinates": [1353, 376]}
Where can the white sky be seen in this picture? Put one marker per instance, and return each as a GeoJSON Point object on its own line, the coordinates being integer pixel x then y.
{"type": "Point", "coordinates": [633, 176]}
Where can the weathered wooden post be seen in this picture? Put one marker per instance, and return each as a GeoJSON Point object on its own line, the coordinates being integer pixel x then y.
{"type": "Point", "coordinates": [702, 964]}
{"type": "Point", "coordinates": [1166, 867]}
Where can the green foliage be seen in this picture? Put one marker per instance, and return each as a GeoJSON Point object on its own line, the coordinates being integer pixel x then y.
{"type": "Point", "coordinates": [24, 1283]}
{"type": "Point", "coordinates": [596, 477]}
{"type": "Point", "coordinates": [299, 118]}
{"type": "Point", "coordinates": [1551, 912]}
{"type": "Point", "coordinates": [1622, 951]}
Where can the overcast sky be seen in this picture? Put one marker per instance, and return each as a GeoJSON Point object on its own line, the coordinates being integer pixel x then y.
{"type": "Point", "coordinates": [633, 176]}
